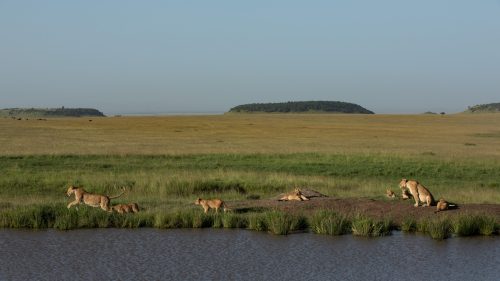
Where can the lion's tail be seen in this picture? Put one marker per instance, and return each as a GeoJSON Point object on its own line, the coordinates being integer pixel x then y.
{"type": "Point", "coordinates": [123, 192]}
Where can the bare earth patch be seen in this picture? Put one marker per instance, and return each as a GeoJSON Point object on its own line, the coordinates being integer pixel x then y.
{"type": "Point", "coordinates": [395, 210]}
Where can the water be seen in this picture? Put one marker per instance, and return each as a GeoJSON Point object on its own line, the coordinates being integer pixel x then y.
{"type": "Point", "coordinates": [210, 254]}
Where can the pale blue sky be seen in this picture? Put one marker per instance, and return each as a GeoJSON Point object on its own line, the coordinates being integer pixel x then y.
{"type": "Point", "coordinates": [200, 56]}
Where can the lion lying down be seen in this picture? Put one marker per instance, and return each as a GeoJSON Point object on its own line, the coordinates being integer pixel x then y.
{"type": "Point", "coordinates": [126, 208]}
{"type": "Point", "coordinates": [294, 195]}
{"type": "Point", "coordinates": [94, 200]}
{"type": "Point", "coordinates": [443, 205]}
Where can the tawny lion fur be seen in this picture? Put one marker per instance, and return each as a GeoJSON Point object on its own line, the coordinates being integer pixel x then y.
{"type": "Point", "coordinates": [441, 205]}
{"type": "Point", "coordinates": [94, 200]}
{"type": "Point", "coordinates": [126, 208]}
{"type": "Point", "coordinates": [389, 193]}
{"type": "Point", "coordinates": [211, 204]}
{"type": "Point", "coordinates": [419, 192]}
{"type": "Point", "coordinates": [294, 195]}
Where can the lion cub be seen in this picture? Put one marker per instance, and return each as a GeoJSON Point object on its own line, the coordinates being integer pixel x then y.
{"type": "Point", "coordinates": [389, 193]}
{"type": "Point", "coordinates": [294, 195]}
{"type": "Point", "coordinates": [126, 208]}
{"type": "Point", "coordinates": [419, 192]}
{"type": "Point", "coordinates": [214, 204]}
{"type": "Point", "coordinates": [441, 205]}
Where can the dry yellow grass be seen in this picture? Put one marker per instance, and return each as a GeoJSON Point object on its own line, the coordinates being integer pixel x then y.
{"type": "Point", "coordinates": [455, 136]}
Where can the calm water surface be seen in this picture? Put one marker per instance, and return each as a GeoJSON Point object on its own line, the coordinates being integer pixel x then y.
{"type": "Point", "coordinates": [210, 254]}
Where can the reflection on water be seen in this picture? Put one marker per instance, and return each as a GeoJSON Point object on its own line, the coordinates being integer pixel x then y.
{"type": "Point", "coordinates": [208, 254]}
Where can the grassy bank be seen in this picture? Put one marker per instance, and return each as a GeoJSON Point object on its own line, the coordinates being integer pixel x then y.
{"type": "Point", "coordinates": [276, 222]}
{"type": "Point", "coordinates": [175, 181]}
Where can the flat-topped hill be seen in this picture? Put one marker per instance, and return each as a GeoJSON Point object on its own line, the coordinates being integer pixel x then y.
{"type": "Point", "coordinates": [50, 112]}
{"type": "Point", "coordinates": [484, 108]}
{"type": "Point", "coordinates": [302, 107]}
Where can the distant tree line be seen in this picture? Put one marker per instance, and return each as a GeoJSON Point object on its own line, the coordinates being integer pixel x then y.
{"type": "Point", "coordinates": [490, 107]}
{"type": "Point", "coordinates": [52, 112]}
{"type": "Point", "coordinates": [302, 106]}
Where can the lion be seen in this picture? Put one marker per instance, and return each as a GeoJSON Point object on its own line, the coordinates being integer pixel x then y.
{"type": "Point", "coordinates": [389, 193]}
{"type": "Point", "coordinates": [214, 204]}
{"type": "Point", "coordinates": [126, 208]}
{"type": "Point", "coordinates": [294, 195]}
{"type": "Point", "coordinates": [419, 192]}
{"type": "Point", "coordinates": [441, 205]}
{"type": "Point", "coordinates": [94, 200]}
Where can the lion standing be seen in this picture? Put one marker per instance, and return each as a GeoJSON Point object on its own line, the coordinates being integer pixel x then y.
{"type": "Point", "coordinates": [214, 204]}
{"type": "Point", "coordinates": [94, 200]}
{"type": "Point", "coordinates": [419, 192]}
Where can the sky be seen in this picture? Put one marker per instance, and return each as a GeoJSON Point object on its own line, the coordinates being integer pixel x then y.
{"type": "Point", "coordinates": [122, 57]}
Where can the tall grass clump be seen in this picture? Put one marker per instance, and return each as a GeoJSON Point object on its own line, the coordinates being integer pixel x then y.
{"type": "Point", "coordinates": [409, 225]}
{"type": "Point", "coordinates": [438, 229]}
{"type": "Point", "coordinates": [282, 223]}
{"type": "Point", "coordinates": [34, 217]}
{"type": "Point", "coordinates": [134, 220]}
{"type": "Point", "coordinates": [469, 225]}
{"type": "Point", "coordinates": [366, 226]}
{"type": "Point", "coordinates": [257, 221]}
{"type": "Point", "coordinates": [180, 219]}
{"type": "Point", "coordinates": [329, 222]}
{"type": "Point", "coordinates": [230, 220]}
{"type": "Point", "coordinates": [487, 225]}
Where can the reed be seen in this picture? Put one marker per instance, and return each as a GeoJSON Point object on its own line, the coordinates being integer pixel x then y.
{"type": "Point", "coordinates": [330, 223]}
{"type": "Point", "coordinates": [282, 223]}
{"type": "Point", "coordinates": [230, 220]}
{"type": "Point", "coordinates": [469, 225]}
{"type": "Point", "coordinates": [409, 225]}
{"type": "Point", "coordinates": [438, 229]}
{"type": "Point", "coordinates": [257, 221]}
{"type": "Point", "coordinates": [365, 226]}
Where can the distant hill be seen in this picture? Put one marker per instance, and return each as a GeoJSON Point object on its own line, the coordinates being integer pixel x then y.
{"type": "Point", "coordinates": [302, 107]}
{"type": "Point", "coordinates": [484, 108]}
{"type": "Point", "coordinates": [50, 112]}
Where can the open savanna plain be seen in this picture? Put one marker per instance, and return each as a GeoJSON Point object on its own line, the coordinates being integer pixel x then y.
{"type": "Point", "coordinates": [166, 162]}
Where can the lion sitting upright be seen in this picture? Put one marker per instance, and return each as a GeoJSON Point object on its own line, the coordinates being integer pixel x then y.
{"type": "Point", "coordinates": [94, 200]}
{"type": "Point", "coordinates": [419, 192]}
{"type": "Point", "coordinates": [294, 195]}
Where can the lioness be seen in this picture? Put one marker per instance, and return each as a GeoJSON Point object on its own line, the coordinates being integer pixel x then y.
{"type": "Point", "coordinates": [418, 191]}
{"type": "Point", "coordinates": [294, 195]}
{"type": "Point", "coordinates": [214, 204]}
{"type": "Point", "coordinates": [389, 193]}
{"type": "Point", "coordinates": [94, 200]}
{"type": "Point", "coordinates": [126, 208]}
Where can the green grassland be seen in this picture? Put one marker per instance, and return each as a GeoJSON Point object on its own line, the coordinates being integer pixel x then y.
{"type": "Point", "coordinates": [167, 162]}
